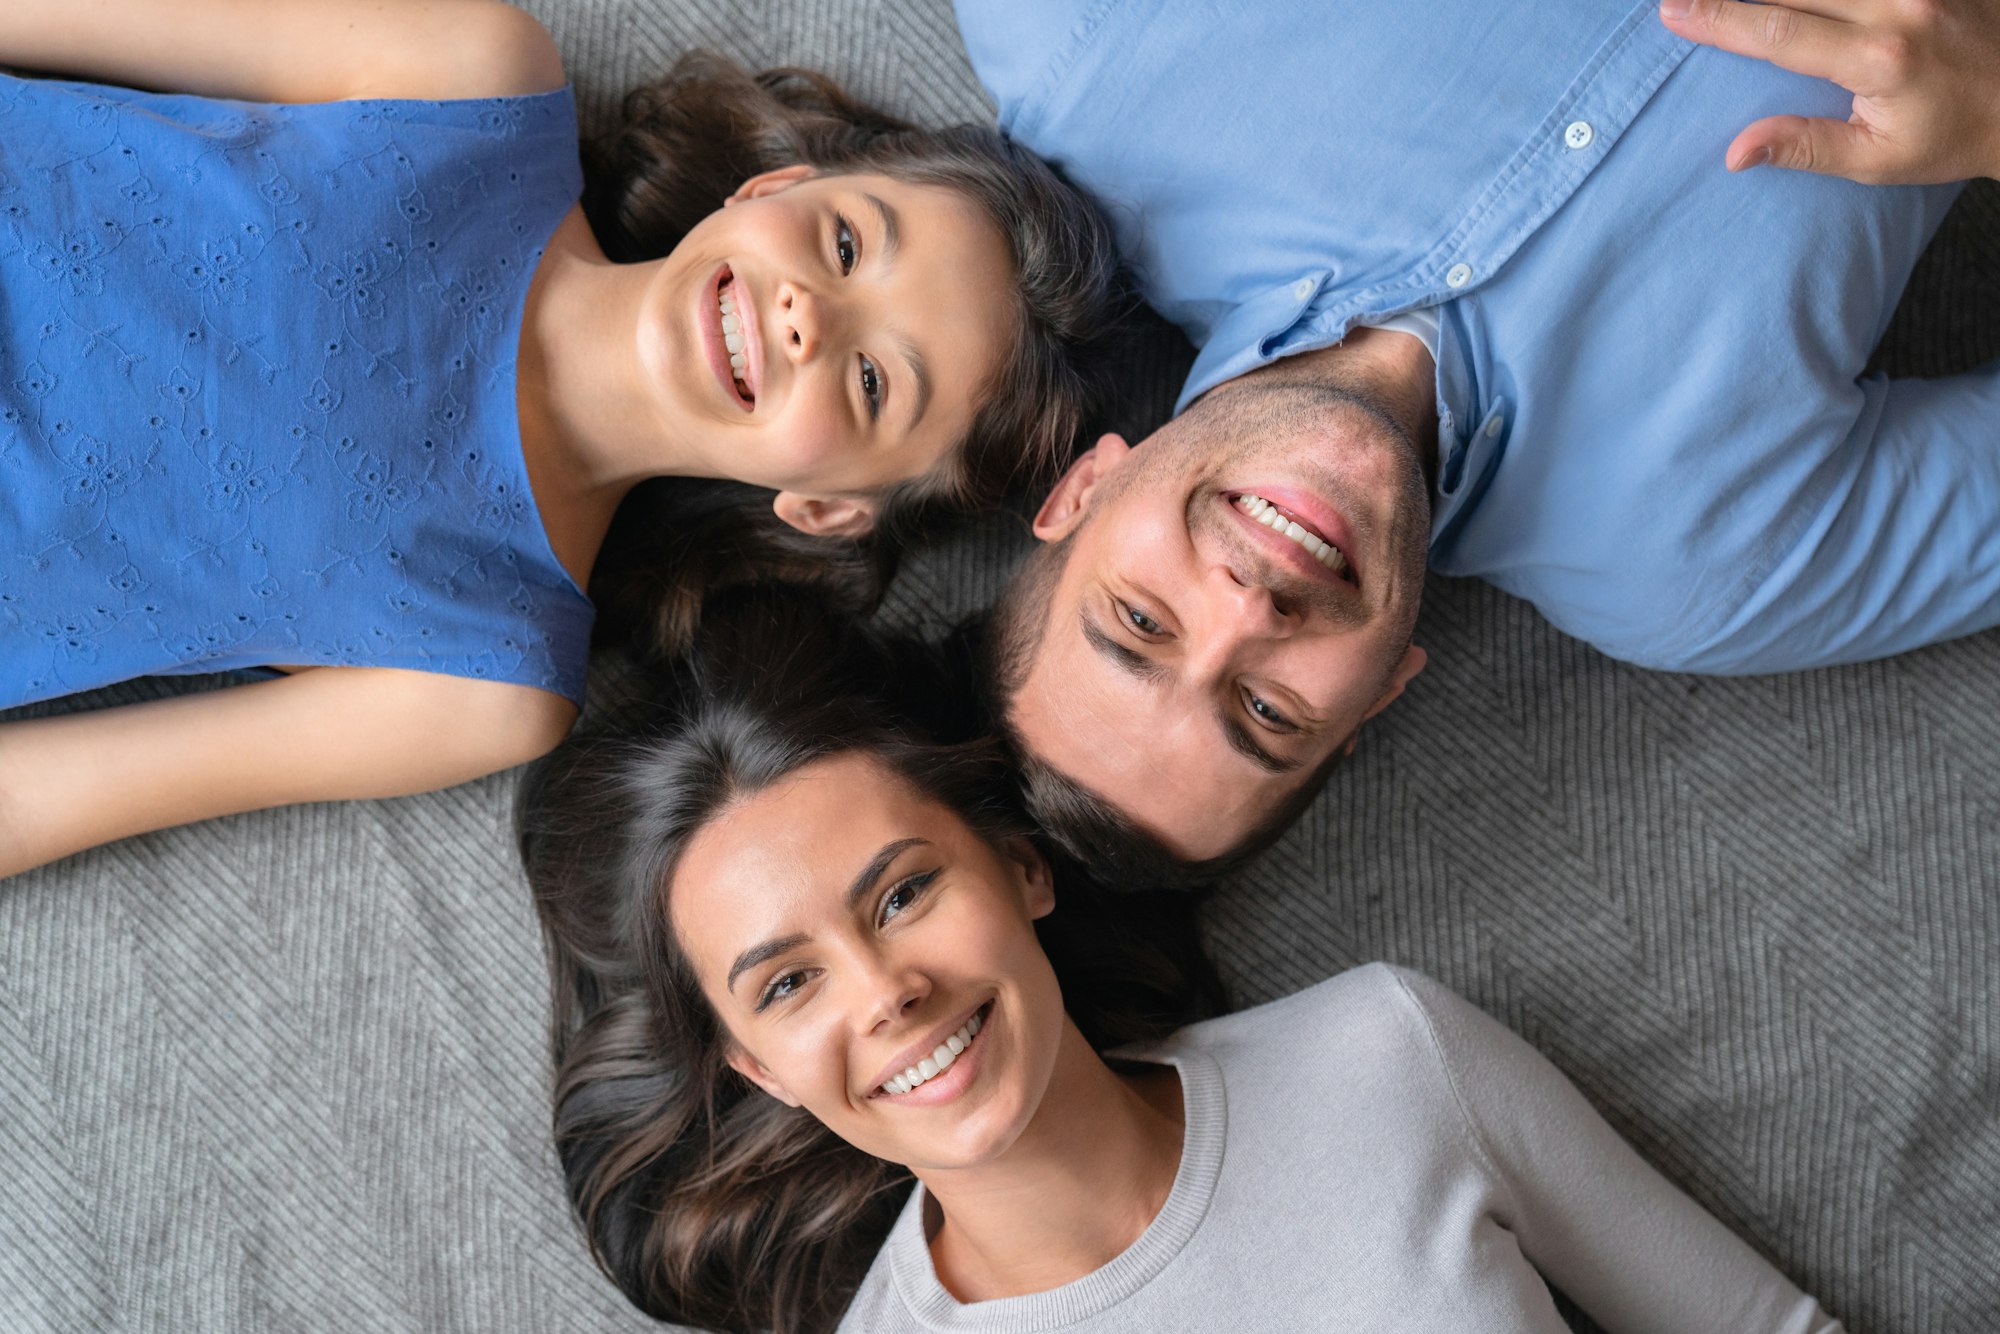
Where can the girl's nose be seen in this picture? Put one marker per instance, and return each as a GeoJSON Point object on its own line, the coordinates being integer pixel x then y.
{"type": "Point", "coordinates": [798, 321]}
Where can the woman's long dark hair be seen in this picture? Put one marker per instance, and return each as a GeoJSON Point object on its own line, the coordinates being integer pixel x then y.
{"type": "Point", "coordinates": [685, 144]}
{"type": "Point", "coordinates": [707, 1201]}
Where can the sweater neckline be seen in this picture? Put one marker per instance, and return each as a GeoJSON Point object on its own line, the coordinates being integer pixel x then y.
{"type": "Point", "coordinates": [1205, 1115]}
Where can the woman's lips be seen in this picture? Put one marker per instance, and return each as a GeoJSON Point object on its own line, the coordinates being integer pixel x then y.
{"type": "Point", "coordinates": [946, 1084]}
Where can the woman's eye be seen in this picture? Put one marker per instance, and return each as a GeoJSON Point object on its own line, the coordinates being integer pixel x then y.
{"type": "Point", "coordinates": [782, 987]}
{"type": "Point", "coordinates": [843, 244]}
{"type": "Point", "coordinates": [905, 895]}
{"type": "Point", "coordinates": [1139, 620]}
{"type": "Point", "coordinates": [871, 387]}
{"type": "Point", "coordinates": [1262, 707]}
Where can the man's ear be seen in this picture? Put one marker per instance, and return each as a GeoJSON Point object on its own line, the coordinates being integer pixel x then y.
{"type": "Point", "coordinates": [770, 182]}
{"type": "Point", "coordinates": [1069, 498]}
{"type": "Point", "coordinates": [752, 1069]}
{"type": "Point", "coordinates": [1037, 881]}
{"type": "Point", "coordinates": [840, 516]}
{"type": "Point", "coordinates": [1413, 662]}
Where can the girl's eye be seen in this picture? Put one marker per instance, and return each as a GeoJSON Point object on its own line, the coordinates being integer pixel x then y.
{"type": "Point", "coordinates": [782, 987]}
{"type": "Point", "coordinates": [871, 388]}
{"type": "Point", "coordinates": [1139, 620]}
{"type": "Point", "coordinates": [843, 244]}
{"type": "Point", "coordinates": [904, 896]}
{"type": "Point", "coordinates": [1260, 706]}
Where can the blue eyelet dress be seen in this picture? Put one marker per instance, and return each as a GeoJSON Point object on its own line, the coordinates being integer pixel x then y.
{"type": "Point", "coordinates": [257, 377]}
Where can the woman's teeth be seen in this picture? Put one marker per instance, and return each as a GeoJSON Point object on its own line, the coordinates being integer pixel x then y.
{"type": "Point", "coordinates": [937, 1062]}
{"type": "Point", "coordinates": [732, 337]}
{"type": "Point", "coordinates": [1264, 512]}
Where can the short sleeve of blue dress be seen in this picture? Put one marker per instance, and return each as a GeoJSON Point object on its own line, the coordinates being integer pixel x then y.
{"type": "Point", "coordinates": [257, 376]}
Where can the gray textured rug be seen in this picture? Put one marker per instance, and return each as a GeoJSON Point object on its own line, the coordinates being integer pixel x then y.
{"type": "Point", "coordinates": [284, 1072]}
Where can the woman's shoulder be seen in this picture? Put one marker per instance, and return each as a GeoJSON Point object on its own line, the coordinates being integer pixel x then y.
{"type": "Point", "coordinates": [1371, 996]}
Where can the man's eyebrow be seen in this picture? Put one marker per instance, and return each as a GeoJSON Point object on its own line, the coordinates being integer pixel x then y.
{"type": "Point", "coordinates": [1244, 744]}
{"type": "Point", "coordinates": [1128, 659]}
{"type": "Point", "coordinates": [892, 230]}
{"type": "Point", "coordinates": [863, 882]}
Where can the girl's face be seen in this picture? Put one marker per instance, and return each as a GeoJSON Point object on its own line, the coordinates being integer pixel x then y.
{"type": "Point", "coordinates": [826, 336]}
{"type": "Point", "coordinates": [848, 930]}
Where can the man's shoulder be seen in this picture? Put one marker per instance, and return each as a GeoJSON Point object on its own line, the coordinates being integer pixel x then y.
{"type": "Point", "coordinates": [1019, 47]}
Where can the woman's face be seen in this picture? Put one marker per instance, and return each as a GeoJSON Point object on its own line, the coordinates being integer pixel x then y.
{"type": "Point", "coordinates": [825, 336]}
{"type": "Point", "coordinates": [846, 929]}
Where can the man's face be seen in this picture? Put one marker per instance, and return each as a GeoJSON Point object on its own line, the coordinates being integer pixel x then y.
{"type": "Point", "coordinates": [1197, 663]}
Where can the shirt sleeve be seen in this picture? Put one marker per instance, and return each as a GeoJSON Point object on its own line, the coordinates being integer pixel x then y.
{"type": "Point", "coordinates": [1901, 548]}
{"type": "Point", "coordinates": [1619, 1239]}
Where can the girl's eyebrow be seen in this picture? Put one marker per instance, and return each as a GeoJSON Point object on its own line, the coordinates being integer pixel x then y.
{"type": "Point", "coordinates": [863, 882]}
{"type": "Point", "coordinates": [892, 231]}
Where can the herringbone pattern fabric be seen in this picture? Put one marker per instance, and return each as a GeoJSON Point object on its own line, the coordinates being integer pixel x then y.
{"type": "Point", "coordinates": [285, 1072]}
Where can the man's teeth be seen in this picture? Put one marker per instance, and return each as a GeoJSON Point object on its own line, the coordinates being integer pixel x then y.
{"type": "Point", "coordinates": [1264, 512]}
{"type": "Point", "coordinates": [732, 334]}
{"type": "Point", "coordinates": [937, 1062]}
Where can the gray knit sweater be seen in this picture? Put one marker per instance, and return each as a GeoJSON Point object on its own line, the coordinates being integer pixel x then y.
{"type": "Point", "coordinates": [1375, 1154]}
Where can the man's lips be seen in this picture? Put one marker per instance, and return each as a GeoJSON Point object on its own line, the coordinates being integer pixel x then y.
{"type": "Point", "coordinates": [1310, 513]}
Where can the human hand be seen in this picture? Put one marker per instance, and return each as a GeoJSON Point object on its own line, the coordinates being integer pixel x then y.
{"type": "Point", "coordinates": [1925, 75]}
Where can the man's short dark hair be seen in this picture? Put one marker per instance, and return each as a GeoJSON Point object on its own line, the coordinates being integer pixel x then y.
{"type": "Point", "coordinates": [1120, 853]}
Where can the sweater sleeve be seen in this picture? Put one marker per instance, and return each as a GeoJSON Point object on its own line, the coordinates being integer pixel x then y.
{"type": "Point", "coordinates": [1599, 1223]}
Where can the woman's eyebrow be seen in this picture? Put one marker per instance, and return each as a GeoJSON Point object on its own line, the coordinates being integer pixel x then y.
{"type": "Point", "coordinates": [863, 882]}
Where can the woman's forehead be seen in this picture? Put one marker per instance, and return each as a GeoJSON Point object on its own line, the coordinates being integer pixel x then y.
{"type": "Point", "coordinates": [791, 849]}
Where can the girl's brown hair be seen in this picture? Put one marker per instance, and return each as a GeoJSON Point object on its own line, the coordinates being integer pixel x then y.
{"type": "Point", "coordinates": [685, 144]}
{"type": "Point", "coordinates": [707, 1201]}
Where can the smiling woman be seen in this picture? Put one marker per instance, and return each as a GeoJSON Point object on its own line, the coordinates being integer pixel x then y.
{"type": "Point", "coordinates": [801, 957]}
{"type": "Point", "coordinates": [713, 1191]}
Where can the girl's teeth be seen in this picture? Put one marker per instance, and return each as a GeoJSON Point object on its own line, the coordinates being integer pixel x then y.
{"type": "Point", "coordinates": [736, 362]}
{"type": "Point", "coordinates": [939, 1061]}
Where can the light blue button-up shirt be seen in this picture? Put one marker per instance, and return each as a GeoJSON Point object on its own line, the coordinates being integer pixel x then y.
{"type": "Point", "coordinates": [1651, 417]}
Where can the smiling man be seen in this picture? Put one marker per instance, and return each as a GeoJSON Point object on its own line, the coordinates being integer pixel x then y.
{"type": "Point", "coordinates": [1469, 283]}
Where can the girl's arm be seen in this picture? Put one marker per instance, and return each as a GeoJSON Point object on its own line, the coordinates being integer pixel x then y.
{"type": "Point", "coordinates": [1618, 1238]}
{"type": "Point", "coordinates": [72, 782]}
{"type": "Point", "coordinates": [286, 50]}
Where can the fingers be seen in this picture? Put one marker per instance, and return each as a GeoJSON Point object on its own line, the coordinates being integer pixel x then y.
{"type": "Point", "coordinates": [1829, 147]}
{"type": "Point", "coordinates": [1810, 43]}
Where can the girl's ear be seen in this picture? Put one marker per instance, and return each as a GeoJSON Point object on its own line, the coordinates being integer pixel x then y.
{"type": "Point", "coordinates": [841, 516]}
{"type": "Point", "coordinates": [770, 182]}
{"type": "Point", "coordinates": [1037, 880]}
{"type": "Point", "coordinates": [752, 1069]}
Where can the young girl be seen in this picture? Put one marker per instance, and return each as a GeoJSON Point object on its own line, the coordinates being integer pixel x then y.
{"type": "Point", "coordinates": [342, 385]}
{"type": "Point", "coordinates": [797, 964]}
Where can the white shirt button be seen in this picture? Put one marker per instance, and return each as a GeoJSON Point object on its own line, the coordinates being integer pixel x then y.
{"type": "Point", "coordinates": [1303, 288]}
{"type": "Point", "coordinates": [1458, 275]}
{"type": "Point", "coordinates": [1494, 425]}
{"type": "Point", "coordinates": [1579, 134]}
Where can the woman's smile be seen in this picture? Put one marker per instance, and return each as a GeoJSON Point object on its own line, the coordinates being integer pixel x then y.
{"type": "Point", "coordinates": [932, 1073]}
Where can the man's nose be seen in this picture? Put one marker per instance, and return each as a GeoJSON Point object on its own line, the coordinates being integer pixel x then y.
{"type": "Point", "coordinates": [1238, 610]}
{"type": "Point", "coordinates": [799, 321]}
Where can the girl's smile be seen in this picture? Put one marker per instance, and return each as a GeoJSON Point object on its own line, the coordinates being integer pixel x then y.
{"type": "Point", "coordinates": [811, 336]}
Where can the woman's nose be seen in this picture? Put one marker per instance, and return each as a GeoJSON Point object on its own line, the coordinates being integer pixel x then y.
{"type": "Point", "coordinates": [893, 988]}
